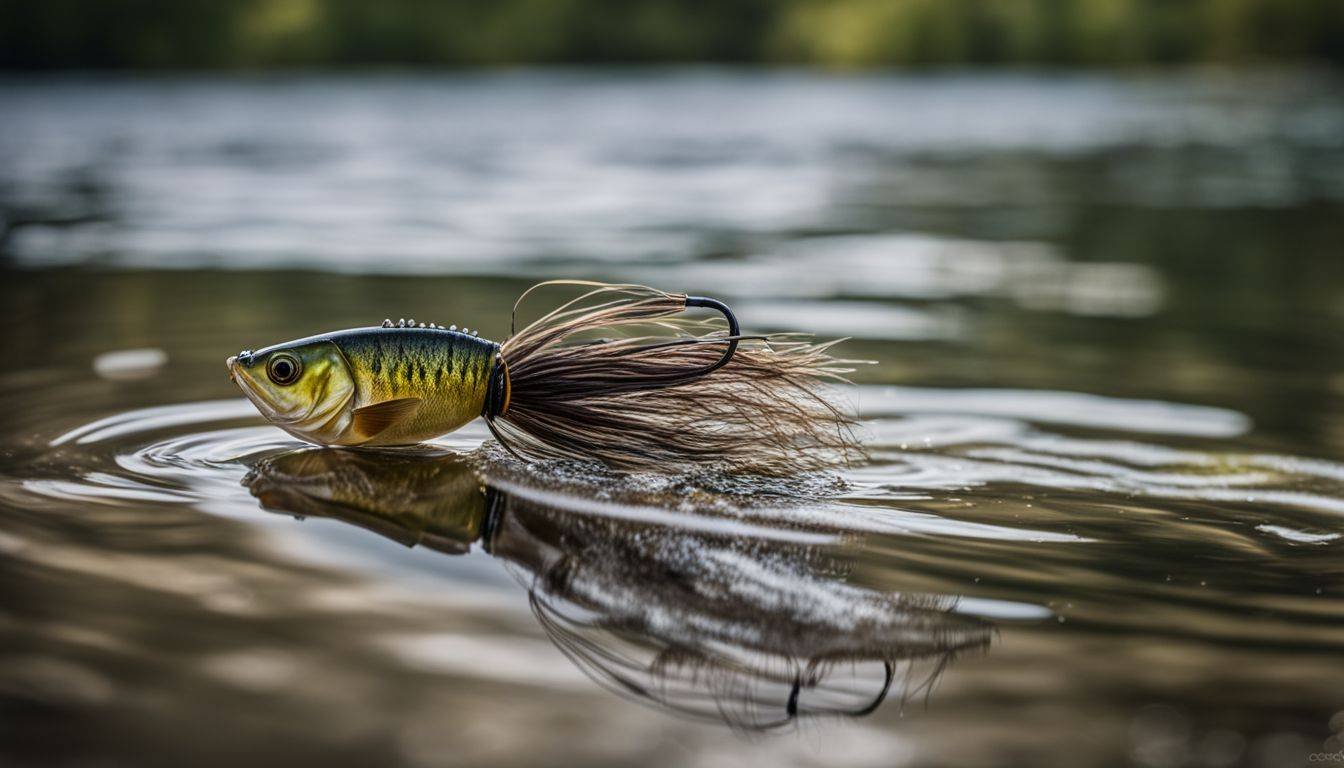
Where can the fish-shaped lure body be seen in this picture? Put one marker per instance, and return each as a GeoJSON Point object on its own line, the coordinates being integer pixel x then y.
{"type": "Point", "coordinates": [384, 385]}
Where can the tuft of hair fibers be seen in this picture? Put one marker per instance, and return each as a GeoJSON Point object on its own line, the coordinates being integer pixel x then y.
{"type": "Point", "coordinates": [619, 375]}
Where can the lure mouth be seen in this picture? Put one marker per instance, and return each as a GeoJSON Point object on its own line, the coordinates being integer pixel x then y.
{"type": "Point", "coordinates": [244, 382]}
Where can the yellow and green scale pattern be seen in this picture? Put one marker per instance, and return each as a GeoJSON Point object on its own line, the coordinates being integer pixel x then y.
{"type": "Point", "coordinates": [448, 370]}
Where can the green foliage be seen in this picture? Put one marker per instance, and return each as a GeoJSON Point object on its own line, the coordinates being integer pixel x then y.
{"type": "Point", "coordinates": [834, 33]}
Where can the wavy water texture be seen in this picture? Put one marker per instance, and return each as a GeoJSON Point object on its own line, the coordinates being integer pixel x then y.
{"type": "Point", "coordinates": [979, 514]}
{"type": "Point", "coordinates": [949, 466]}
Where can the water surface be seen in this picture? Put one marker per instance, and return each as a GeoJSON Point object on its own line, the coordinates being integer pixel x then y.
{"type": "Point", "coordinates": [1100, 524]}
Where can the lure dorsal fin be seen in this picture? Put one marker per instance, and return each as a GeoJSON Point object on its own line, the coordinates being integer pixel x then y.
{"type": "Point", "coordinates": [371, 420]}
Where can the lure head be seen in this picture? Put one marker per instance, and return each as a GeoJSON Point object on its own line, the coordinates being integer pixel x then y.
{"type": "Point", "coordinates": [304, 387]}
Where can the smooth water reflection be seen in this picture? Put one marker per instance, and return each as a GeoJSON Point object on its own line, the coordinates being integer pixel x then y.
{"type": "Point", "coordinates": [721, 625]}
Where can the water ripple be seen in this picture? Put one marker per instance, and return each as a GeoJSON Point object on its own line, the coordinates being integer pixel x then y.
{"type": "Point", "coordinates": [969, 485]}
{"type": "Point", "coordinates": [926, 443]}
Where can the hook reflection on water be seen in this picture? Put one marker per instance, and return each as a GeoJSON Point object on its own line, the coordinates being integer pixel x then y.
{"type": "Point", "coordinates": [701, 620]}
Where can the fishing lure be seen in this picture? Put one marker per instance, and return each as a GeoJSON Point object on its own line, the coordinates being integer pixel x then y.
{"type": "Point", "coordinates": [654, 390]}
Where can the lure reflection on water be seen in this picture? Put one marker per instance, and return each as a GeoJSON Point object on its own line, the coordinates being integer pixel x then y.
{"type": "Point", "coordinates": [694, 617]}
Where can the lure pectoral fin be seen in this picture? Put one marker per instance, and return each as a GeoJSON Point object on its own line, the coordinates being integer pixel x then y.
{"type": "Point", "coordinates": [371, 420]}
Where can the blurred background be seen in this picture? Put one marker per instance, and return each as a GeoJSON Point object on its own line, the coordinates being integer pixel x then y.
{"type": "Point", "coordinates": [1096, 249]}
{"type": "Point", "coordinates": [158, 34]}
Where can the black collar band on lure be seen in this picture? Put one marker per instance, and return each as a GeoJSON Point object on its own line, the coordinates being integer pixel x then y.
{"type": "Point", "coordinates": [497, 392]}
{"type": "Point", "coordinates": [497, 389]}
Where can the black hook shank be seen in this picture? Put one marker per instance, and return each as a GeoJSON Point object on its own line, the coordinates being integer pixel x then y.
{"type": "Point", "coordinates": [733, 330]}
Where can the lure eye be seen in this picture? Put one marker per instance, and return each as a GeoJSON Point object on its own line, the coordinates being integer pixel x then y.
{"type": "Point", "coordinates": [283, 369]}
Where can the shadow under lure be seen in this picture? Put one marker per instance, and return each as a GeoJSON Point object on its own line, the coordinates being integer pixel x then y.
{"type": "Point", "coordinates": [617, 375]}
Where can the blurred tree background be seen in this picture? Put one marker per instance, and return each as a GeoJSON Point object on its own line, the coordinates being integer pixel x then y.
{"type": "Point", "coordinates": [191, 34]}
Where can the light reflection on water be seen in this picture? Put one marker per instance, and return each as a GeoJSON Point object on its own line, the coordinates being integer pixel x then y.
{"type": "Point", "coordinates": [1101, 523]}
{"type": "Point", "coordinates": [495, 172]}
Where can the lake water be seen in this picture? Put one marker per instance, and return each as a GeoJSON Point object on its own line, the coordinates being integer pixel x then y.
{"type": "Point", "coordinates": [1101, 524]}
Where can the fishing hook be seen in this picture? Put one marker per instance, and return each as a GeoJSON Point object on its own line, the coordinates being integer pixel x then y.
{"type": "Point", "coordinates": [734, 332]}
